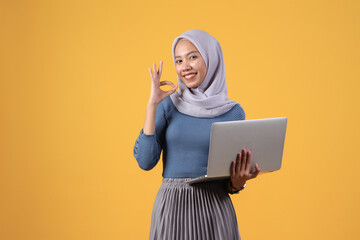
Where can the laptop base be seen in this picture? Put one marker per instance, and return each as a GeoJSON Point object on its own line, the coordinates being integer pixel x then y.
{"type": "Point", "coordinates": [206, 178]}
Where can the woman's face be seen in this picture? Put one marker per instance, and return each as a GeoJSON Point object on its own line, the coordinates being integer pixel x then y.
{"type": "Point", "coordinates": [189, 64]}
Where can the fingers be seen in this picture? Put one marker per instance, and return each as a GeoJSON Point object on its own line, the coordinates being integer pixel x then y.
{"type": "Point", "coordinates": [171, 91]}
{"type": "Point", "coordinates": [159, 71]}
{"type": "Point", "coordinates": [243, 162]}
{"type": "Point", "coordinates": [162, 83]}
{"type": "Point", "coordinates": [240, 169]}
{"type": "Point", "coordinates": [168, 93]}
{"type": "Point", "coordinates": [238, 163]}
{"type": "Point", "coordinates": [248, 160]}
{"type": "Point", "coordinates": [156, 73]}
{"type": "Point", "coordinates": [232, 169]}
{"type": "Point", "coordinates": [151, 75]}
{"type": "Point", "coordinates": [160, 68]}
{"type": "Point", "coordinates": [243, 159]}
{"type": "Point", "coordinates": [257, 167]}
{"type": "Point", "coordinates": [256, 171]}
{"type": "Point", "coordinates": [154, 69]}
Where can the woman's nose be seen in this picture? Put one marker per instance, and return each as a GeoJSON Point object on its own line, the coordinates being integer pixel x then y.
{"type": "Point", "coordinates": [186, 66]}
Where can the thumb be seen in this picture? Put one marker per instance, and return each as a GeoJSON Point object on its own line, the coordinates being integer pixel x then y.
{"type": "Point", "coordinates": [173, 90]}
{"type": "Point", "coordinates": [255, 173]}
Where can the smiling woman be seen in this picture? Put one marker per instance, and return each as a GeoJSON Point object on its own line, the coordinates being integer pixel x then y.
{"type": "Point", "coordinates": [190, 65]}
{"type": "Point", "coordinates": [179, 124]}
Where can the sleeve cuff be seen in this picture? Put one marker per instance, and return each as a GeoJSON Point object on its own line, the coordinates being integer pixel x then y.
{"type": "Point", "coordinates": [143, 134]}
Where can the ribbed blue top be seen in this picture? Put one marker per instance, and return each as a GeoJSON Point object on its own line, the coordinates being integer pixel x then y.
{"type": "Point", "coordinates": [184, 140]}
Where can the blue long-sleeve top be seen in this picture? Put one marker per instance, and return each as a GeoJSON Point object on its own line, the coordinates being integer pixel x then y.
{"type": "Point", "coordinates": [184, 140]}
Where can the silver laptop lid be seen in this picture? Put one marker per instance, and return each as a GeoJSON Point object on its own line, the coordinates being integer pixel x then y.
{"type": "Point", "coordinates": [264, 137]}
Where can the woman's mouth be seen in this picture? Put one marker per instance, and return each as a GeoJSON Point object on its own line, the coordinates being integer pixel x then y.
{"type": "Point", "coordinates": [190, 76]}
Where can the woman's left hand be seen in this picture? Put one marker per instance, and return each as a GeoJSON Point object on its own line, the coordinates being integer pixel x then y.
{"type": "Point", "coordinates": [240, 169]}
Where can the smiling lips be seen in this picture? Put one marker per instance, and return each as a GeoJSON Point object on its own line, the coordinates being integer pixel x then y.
{"type": "Point", "coordinates": [190, 76]}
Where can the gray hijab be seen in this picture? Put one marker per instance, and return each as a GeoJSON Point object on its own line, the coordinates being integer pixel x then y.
{"type": "Point", "coordinates": [210, 99]}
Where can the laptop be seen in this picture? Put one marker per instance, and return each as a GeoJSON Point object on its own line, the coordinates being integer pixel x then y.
{"type": "Point", "coordinates": [263, 137]}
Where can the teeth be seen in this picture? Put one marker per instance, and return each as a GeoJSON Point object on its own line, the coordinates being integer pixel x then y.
{"type": "Point", "coordinates": [190, 76]}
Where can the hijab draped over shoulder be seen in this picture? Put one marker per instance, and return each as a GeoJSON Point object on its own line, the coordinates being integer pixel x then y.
{"type": "Point", "coordinates": [210, 99]}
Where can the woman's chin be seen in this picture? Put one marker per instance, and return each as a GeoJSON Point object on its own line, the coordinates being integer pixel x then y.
{"type": "Point", "coordinates": [192, 85]}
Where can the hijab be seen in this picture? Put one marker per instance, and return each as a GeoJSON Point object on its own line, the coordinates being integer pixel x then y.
{"type": "Point", "coordinates": [210, 99]}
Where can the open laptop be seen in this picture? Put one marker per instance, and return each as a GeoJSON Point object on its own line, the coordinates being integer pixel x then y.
{"type": "Point", "coordinates": [263, 137]}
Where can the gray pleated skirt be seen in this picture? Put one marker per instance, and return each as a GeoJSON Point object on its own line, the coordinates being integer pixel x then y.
{"type": "Point", "coordinates": [193, 212]}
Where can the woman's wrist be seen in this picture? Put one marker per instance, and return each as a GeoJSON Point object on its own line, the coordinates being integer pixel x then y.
{"type": "Point", "coordinates": [153, 104]}
{"type": "Point", "coordinates": [232, 189]}
{"type": "Point", "coordinates": [237, 187]}
{"type": "Point", "coordinates": [149, 125]}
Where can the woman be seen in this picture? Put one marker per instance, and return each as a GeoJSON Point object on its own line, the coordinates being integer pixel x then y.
{"type": "Point", "coordinates": [179, 123]}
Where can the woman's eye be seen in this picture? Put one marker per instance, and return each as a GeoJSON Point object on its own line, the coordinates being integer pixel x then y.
{"type": "Point", "coordinates": [193, 57]}
{"type": "Point", "coordinates": [178, 61]}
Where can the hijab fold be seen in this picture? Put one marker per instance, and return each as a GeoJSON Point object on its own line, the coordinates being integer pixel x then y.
{"type": "Point", "coordinates": [210, 99]}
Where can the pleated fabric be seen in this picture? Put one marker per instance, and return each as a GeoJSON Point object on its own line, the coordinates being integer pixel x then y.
{"type": "Point", "coordinates": [193, 212]}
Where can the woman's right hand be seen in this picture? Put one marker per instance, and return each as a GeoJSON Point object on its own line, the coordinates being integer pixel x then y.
{"type": "Point", "coordinates": [157, 95]}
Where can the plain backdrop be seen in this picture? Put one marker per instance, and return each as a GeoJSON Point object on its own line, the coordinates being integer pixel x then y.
{"type": "Point", "coordinates": [74, 84]}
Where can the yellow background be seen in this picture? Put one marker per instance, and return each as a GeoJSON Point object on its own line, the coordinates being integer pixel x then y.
{"type": "Point", "coordinates": [74, 85]}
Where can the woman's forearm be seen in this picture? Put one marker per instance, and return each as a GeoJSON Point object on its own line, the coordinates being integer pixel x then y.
{"type": "Point", "coordinates": [149, 125]}
{"type": "Point", "coordinates": [147, 149]}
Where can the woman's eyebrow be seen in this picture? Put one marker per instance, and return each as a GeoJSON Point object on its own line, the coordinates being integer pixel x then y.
{"type": "Point", "coordinates": [187, 53]}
